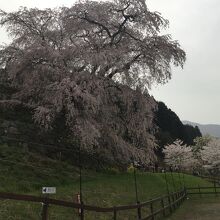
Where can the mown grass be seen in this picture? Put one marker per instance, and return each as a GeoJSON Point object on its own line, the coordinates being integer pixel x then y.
{"type": "Point", "coordinates": [25, 172]}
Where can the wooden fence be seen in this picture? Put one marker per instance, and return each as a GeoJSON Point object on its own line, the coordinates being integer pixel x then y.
{"type": "Point", "coordinates": [213, 179]}
{"type": "Point", "coordinates": [200, 190]}
{"type": "Point", "coordinates": [162, 205]}
{"type": "Point", "coordinates": [203, 190]}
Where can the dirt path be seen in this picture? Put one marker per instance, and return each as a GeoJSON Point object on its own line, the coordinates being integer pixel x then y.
{"type": "Point", "coordinates": [198, 209]}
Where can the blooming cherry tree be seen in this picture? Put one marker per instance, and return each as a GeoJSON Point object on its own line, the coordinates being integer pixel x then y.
{"type": "Point", "coordinates": [179, 155]}
{"type": "Point", "coordinates": [210, 155]}
{"type": "Point", "coordinates": [85, 62]}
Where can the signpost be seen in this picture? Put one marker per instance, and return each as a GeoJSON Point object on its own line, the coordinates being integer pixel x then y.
{"type": "Point", "coordinates": [49, 190]}
{"type": "Point", "coordinates": [46, 191]}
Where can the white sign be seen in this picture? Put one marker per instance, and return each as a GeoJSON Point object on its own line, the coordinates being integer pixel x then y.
{"type": "Point", "coordinates": [49, 190]}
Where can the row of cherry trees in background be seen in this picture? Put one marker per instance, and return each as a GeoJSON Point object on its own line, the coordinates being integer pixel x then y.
{"type": "Point", "coordinates": [203, 156]}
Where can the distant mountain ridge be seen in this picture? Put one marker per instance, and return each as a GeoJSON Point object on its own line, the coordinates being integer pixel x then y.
{"type": "Point", "coordinates": [211, 129]}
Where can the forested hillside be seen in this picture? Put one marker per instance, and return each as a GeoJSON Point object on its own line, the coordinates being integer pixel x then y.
{"type": "Point", "coordinates": [171, 127]}
{"type": "Point", "coordinates": [16, 122]}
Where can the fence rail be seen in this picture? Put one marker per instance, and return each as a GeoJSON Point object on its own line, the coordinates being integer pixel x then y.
{"type": "Point", "coordinates": [213, 179]}
{"type": "Point", "coordinates": [203, 190]}
{"type": "Point", "coordinates": [156, 206]}
{"type": "Point", "coordinates": [162, 205]}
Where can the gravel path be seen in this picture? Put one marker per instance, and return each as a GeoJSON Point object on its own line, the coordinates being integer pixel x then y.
{"type": "Point", "coordinates": [198, 209]}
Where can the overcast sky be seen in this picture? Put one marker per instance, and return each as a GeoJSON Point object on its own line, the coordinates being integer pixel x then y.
{"type": "Point", "coordinates": [193, 93]}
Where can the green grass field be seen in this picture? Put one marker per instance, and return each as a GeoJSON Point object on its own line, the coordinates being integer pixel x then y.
{"type": "Point", "coordinates": [24, 172]}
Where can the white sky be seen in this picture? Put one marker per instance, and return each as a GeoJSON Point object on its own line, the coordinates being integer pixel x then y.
{"type": "Point", "coordinates": [193, 92]}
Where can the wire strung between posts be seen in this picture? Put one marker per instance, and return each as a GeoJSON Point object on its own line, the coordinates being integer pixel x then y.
{"type": "Point", "coordinates": [183, 177]}
{"type": "Point", "coordinates": [174, 186]}
{"type": "Point", "coordinates": [135, 184]}
{"type": "Point", "coordinates": [80, 175]}
{"type": "Point", "coordinates": [180, 182]}
{"type": "Point", "coordinates": [168, 191]}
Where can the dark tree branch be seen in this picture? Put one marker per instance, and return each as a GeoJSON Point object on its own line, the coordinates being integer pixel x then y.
{"type": "Point", "coordinates": [126, 66]}
{"type": "Point", "coordinates": [133, 37]}
{"type": "Point", "coordinates": [97, 23]}
{"type": "Point", "coordinates": [119, 30]}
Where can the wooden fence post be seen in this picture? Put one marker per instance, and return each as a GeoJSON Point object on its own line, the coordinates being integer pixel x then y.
{"type": "Point", "coordinates": [163, 207]}
{"type": "Point", "coordinates": [170, 206]}
{"type": "Point", "coordinates": [115, 214]}
{"type": "Point", "coordinates": [181, 196]}
{"type": "Point", "coordinates": [185, 192]}
{"type": "Point", "coordinates": [139, 210]}
{"type": "Point", "coordinates": [200, 195]}
{"type": "Point", "coordinates": [152, 210]}
{"type": "Point", "coordinates": [177, 197]}
{"type": "Point", "coordinates": [173, 200]}
{"type": "Point", "coordinates": [215, 187]}
{"type": "Point", "coordinates": [82, 211]}
{"type": "Point", "coordinates": [45, 209]}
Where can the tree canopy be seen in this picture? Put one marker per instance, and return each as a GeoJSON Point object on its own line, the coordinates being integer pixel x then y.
{"type": "Point", "coordinates": [119, 39]}
{"type": "Point", "coordinates": [73, 61]}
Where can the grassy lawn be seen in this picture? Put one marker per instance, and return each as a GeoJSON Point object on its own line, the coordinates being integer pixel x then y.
{"type": "Point", "coordinates": [24, 172]}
